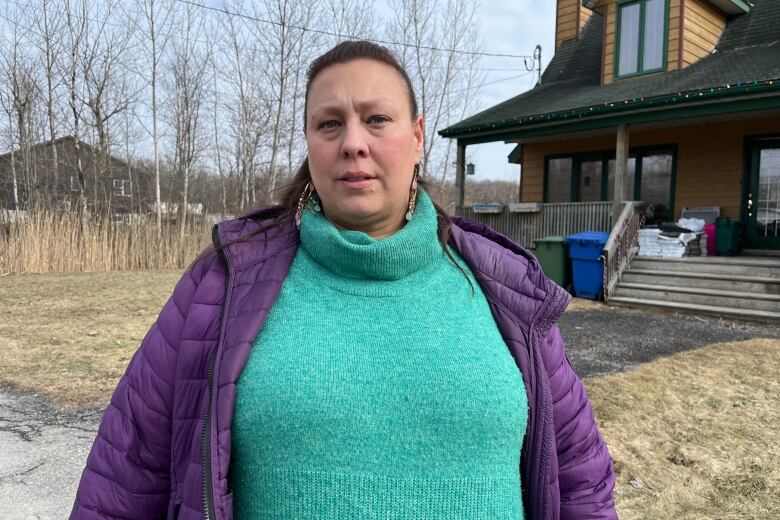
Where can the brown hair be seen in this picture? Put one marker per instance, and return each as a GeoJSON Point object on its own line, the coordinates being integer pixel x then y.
{"type": "Point", "coordinates": [346, 52]}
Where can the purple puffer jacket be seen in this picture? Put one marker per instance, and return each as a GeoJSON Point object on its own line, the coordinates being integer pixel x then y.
{"type": "Point", "coordinates": [163, 447]}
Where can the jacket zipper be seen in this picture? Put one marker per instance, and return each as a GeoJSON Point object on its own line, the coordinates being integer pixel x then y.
{"type": "Point", "coordinates": [208, 491]}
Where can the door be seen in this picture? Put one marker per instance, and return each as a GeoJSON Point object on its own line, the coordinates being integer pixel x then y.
{"type": "Point", "coordinates": [763, 198]}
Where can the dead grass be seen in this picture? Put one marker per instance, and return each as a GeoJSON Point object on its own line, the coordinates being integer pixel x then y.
{"type": "Point", "coordinates": [45, 242]}
{"type": "Point", "coordinates": [583, 304]}
{"type": "Point", "coordinates": [700, 430]}
{"type": "Point", "coordinates": [72, 335]}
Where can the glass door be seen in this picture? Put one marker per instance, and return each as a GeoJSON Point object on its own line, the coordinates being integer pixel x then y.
{"type": "Point", "coordinates": [763, 197]}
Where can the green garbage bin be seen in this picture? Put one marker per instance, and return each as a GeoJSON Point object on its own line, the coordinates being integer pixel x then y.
{"type": "Point", "coordinates": [728, 234]}
{"type": "Point", "coordinates": [553, 256]}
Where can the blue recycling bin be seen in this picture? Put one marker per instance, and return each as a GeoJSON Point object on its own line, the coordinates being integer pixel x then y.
{"type": "Point", "coordinates": [587, 267]}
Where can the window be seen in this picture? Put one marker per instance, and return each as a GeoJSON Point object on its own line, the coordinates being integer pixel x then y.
{"type": "Point", "coordinates": [641, 37]}
{"type": "Point", "coordinates": [121, 187]}
{"type": "Point", "coordinates": [591, 177]}
{"type": "Point", "coordinates": [590, 181]}
{"type": "Point", "coordinates": [558, 186]}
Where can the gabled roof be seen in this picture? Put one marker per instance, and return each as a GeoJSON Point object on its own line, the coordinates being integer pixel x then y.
{"type": "Point", "coordinates": [69, 139]}
{"type": "Point", "coordinates": [745, 64]}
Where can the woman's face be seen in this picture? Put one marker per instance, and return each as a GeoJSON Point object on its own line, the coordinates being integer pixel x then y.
{"type": "Point", "coordinates": [363, 145]}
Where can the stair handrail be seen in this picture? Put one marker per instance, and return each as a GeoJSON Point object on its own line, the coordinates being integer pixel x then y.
{"type": "Point", "coordinates": [621, 245]}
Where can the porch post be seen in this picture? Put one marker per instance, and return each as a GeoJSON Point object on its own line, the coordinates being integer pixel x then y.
{"type": "Point", "coordinates": [460, 175]}
{"type": "Point", "coordinates": [621, 171]}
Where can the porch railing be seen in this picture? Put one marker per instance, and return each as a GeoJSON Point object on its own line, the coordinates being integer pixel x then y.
{"type": "Point", "coordinates": [621, 246]}
{"type": "Point", "coordinates": [551, 220]}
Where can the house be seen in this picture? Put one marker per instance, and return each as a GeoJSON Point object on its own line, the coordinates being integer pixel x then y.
{"type": "Point", "coordinates": [110, 184]}
{"type": "Point", "coordinates": [675, 103]}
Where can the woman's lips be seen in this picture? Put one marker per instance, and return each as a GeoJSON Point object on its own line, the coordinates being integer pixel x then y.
{"type": "Point", "coordinates": [356, 183]}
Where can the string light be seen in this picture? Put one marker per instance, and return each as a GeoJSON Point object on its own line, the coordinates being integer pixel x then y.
{"type": "Point", "coordinates": [732, 89]}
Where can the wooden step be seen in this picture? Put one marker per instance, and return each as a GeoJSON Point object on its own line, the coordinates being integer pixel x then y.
{"type": "Point", "coordinates": [717, 281]}
{"type": "Point", "coordinates": [712, 310]}
{"type": "Point", "coordinates": [699, 296]}
{"type": "Point", "coordinates": [740, 266]}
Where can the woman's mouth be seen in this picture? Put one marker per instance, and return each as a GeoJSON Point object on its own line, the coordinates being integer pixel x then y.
{"type": "Point", "coordinates": [356, 181]}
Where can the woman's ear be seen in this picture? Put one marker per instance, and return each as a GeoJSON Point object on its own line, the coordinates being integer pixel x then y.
{"type": "Point", "coordinates": [419, 134]}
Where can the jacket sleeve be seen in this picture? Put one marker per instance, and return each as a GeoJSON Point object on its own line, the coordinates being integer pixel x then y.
{"type": "Point", "coordinates": [585, 474]}
{"type": "Point", "coordinates": [127, 470]}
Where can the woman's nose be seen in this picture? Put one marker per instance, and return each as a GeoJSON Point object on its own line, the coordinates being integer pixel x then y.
{"type": "Point", "coordinates": [354, 143]}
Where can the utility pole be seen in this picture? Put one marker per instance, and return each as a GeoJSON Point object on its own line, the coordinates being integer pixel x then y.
{"type": "Point", "coordinates": [536, 64]}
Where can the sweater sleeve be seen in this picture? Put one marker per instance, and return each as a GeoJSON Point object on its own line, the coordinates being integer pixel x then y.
{"type": "Point", "coordinates": [127, 470]}
{"type": "Point", "coordinates": [585, 474]}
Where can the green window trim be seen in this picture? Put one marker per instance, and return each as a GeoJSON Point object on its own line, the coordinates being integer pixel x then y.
{"type": "Point", "coordinates": [605, 156]}
{"type": "Point", "coordinates": [641, 45]}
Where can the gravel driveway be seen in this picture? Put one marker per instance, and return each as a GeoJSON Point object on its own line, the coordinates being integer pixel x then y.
{"type": "Point", "coordinates": [44, 449]}
{"type": "Point", "coordinates": [615, 339]}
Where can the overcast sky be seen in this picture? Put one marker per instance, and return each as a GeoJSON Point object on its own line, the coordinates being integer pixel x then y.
{"type": "Point", "coordinates": [509, 27]}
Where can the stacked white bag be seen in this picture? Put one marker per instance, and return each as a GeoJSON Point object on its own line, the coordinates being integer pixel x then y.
{"type": "Point", "coordinates": [648, 242]}
{"type": "Point", "coordinates": [652, 243]}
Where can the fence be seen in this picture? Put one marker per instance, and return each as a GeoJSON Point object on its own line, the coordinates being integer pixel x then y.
{"type": "Point", "coordinates": [551, 220]}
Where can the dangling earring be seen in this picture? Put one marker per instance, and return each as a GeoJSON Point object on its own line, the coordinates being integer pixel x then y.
{"type": "Point", "coordinates": [413, 193]}
{"type": "Point", "coordinates": [303, 201]}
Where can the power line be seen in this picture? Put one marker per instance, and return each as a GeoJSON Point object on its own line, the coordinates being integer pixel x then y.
{"type": "Point", "coordinates": [175, 36]}
{"type": "Point", "coordinates": [338, 35]}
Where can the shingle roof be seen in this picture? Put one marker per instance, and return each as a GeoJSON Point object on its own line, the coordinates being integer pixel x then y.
{"type": "Point", "coordinates": [748, 51]}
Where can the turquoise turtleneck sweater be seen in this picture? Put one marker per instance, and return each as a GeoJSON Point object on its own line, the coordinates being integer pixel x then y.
{"type": "Point", "coordinates": [378, 388]}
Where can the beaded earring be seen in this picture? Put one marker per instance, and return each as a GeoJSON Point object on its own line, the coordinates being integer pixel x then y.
{"type": "Point", "coordinates": [413, 193]}
{"type": "Point", "coordinates": [307, 196]}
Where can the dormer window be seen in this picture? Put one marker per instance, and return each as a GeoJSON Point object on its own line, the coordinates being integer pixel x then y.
{"type": "Point", "coordinates": [641, 37]}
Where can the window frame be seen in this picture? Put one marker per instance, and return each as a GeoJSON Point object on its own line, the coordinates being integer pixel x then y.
{"type": "Point", "coordinates": [641, 45]}
{"type": "Point", "coordinates": [637, 153]}
{"type": "Point", "coordinates": [119, 191]}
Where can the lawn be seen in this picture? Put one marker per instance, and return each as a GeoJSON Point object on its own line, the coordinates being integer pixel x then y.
{"type": "Point", "coordinates": [693, 436]}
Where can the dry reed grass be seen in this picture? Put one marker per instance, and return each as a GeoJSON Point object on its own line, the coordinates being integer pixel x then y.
{"type": "Point", "coordinates": [60, 242]}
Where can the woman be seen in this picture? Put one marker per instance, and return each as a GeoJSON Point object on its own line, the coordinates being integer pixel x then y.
{"type": "Point", "coordinates": [353, 352]}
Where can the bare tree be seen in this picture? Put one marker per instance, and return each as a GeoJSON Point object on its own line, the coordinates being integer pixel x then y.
{"type": "Point", "coordinates": [18, 99]}
{"type": "Point", "coordinates": [188, 68]}
{"type": "Point", "coordinates": [281, 40]}
{"type": "Point", "coordinates": [158, 17]}
{"type": "Point", "coordinates": [106, 84]}
{"type": "Point", "coordinates": [49, 22]}
{"type": "Point", "coordinates": [348, 19]}
{"type": "Point", "coordinates": [249, 108]}
{"type": "Point", "coordinates": [75, 24]}
{"type": "Point", "coordinates": [215, 112]}
{"type": "Point", "coordinates": [440, 40]}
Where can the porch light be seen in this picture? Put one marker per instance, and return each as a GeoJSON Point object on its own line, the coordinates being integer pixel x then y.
{"type": "Point", "coordinates": [470, 169]}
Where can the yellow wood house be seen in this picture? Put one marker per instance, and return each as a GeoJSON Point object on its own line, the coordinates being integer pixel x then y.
{"type": "Point", "coordinates": [674, 103]}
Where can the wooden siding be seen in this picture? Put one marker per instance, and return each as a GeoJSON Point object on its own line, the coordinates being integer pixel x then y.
{"type": "Point", "coordinates": [585, 15]}
{"type": "Point", "coordinates": [709, 160]}
{"type": "Point", "coordinates": [703, 27]}
{"type": "Point", "coordinates": [609, 10]}
{"type": "Point", "coordinates": [570, 18]}
{"type": "Point", "coordinates": [566, 21]}
{"type": "Point", "coordinates": [610, 47]}
{"type": "Point", "coordinates": [673, 46]}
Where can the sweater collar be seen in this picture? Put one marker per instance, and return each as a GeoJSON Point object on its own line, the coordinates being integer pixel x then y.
{"type": "Point", "coordinates": [354, 254]}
